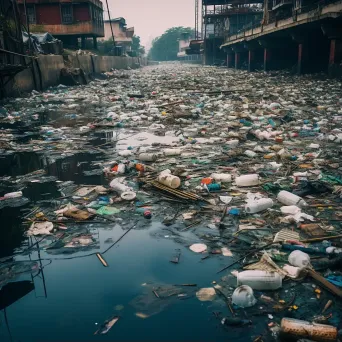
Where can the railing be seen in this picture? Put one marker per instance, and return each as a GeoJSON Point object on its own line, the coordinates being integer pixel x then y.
{"type": "Point", "coordinates": [236, 10]}
{"type": "Point", "coordinates": [295, 12]}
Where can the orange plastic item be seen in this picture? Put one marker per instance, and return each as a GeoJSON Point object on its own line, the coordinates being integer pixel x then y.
{"type": "Point", "coordinates": [140, 167]}
{"type": "Point", "coordinates": [279, 140]}
{"type": "Point", "coordinates": [206, 180]}
{"type": "Point", "coordinates": [115, 168]}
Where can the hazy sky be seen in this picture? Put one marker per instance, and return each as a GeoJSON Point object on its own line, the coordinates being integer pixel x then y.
{"type": "Point", "coordinates": [151, 18]}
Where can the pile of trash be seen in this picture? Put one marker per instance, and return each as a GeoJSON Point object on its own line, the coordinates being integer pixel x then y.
{"type": "Point", "coordinates": [235, 165]}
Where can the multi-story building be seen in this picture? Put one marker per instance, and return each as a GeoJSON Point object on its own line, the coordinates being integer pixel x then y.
{"type": "Point", "coordinates": [67, 20]}
{"type": "Point", "coordinates": [299, 35]}
{"type": "Point", "coordinates": [122, 34]}
{"type": "Point", "coordinates": [224, 17]}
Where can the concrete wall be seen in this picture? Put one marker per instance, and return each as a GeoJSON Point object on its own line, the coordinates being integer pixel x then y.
{"type": "Point", "coordinates": [48, 72]}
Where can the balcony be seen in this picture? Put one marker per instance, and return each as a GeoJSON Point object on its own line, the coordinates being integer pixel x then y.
{"type": "Point", "coordinates": [97, 3]}
{"type": "Point", "coordinates": [280, 3]}
{"type": "Point", "coordinates": [82, 28]}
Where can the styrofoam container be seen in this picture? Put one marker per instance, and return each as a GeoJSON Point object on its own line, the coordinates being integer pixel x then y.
{"type": "Point", "coordinates": [260, 280]}
{"type": "Point", "coordinates": [247, 180]}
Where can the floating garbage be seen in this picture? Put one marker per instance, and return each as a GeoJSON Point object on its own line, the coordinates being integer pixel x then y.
{"type": "Point", "coordinates": [243, 296]}
{"type": "Point", "coordinates": [198, 247]}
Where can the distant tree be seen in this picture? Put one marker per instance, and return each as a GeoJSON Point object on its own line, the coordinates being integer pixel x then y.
{"type": "Point", "coordinates": [137, 49]}
{"type": "Point", "coordinates": [165, 47]}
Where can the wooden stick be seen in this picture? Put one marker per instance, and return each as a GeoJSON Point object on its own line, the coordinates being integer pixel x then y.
{"type": "Point", "coordinates": [246, 255]}
{"type": "Point", "coordinates": [103, 261]}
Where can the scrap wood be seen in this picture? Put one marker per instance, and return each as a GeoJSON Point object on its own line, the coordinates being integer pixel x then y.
{"type": "Point", "coordinates": [332, 237]}
{"type": "Point", "coordinates": [170, 104]}
{"type": "Point", "coordinates": [179, 193]}
{"type": "Point", "coordinates": [325, 283]}
{"type": "Point", "coordinates": [246, 255]}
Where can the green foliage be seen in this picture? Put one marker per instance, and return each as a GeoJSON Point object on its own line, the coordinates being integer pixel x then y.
{"type": "Point", "coordinates": [137, 49]}
{"type": "Point", "coordinates": [165, 47]}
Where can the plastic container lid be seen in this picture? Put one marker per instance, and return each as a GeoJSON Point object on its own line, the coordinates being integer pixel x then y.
{"type": "Point", "coordinates": [128, 195]}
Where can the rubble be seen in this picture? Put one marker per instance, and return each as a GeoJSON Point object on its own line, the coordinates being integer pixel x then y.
{"type": "Point", "coordinates": [229, 164]}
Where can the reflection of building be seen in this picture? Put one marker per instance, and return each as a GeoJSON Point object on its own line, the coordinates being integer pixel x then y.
{"type": "Point", "coordinates": [223, 17]}
{"type": "Point", "coordinates": [122, 35]}
{"type": "Point", "coordinates": [67, 20]}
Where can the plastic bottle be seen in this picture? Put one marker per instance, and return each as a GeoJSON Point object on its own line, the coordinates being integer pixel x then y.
{"type": "Point", "coordinates": [247, 180]}
{"type": "Point", "coordinates": [287, 198]}
{"type": "Point", "coordinates": [299, 259]}
{"type": "Point", "coordinates": [235, 321]}
{"type": "Point", "coordinates": [259, 205]}
{"type": "Point", "coordinates": [214, 187]}
{"type": "Point", "coordinates": [148, 157]}
{"type": "Point", "coordinates": [172, 152]}
{"type": "Point", "coordinates": [302, 329]}
{"type": "Point", "coordinates": [260, 280]}
{"type": "Point", "coordinates": [221, 177]}
{"type": "Point", "coordinates": [169, 180]}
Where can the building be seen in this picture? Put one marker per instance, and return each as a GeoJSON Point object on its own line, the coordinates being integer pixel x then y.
{"type": "Point", "coordinates": [67, 20]}
{"type": "Point", "coordinates": [224, 17]}
{"type": "Point", "coordinates": [300, 35]}
{"type": "Point", "coordinates": [183, 44]}
{"type": "Point", "coordinates": [186, 52]}
{"type": "Point", "coordinates": [123, 36]}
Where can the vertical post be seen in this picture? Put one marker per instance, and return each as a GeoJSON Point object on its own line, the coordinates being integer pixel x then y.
{"type": "Point", "coordinates": [95, 43]}
{"type": "Point", "coordinates": [205, 35]}
{"type": "Point", "coordinates": [251, 60]}
{"type": "Point", "coordinates": [237, 60]}
{"type": "Point", "coordinates": [28, 28]}
{"type": "Point", "coordinates": [229, 60]}
{"type": "Point", "coordinates": [110, 23]}
{"type": "Point", "coordinates": [267, 58]}
{"type": "Point", "coordinates": [332, 55]}
{"type": "Point", "coordinates": [83, 43]}
{"type": "Point", "coordinates": [300, 58]}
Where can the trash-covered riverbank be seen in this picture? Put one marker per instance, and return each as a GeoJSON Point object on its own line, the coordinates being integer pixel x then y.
{"type": "Point", "coordinates": [186, 190]}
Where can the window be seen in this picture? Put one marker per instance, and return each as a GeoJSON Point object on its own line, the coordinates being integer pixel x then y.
{"type": "Point", "coordinates": [66, 11]}
{"type": "Point", "coordinates": [31, 14]}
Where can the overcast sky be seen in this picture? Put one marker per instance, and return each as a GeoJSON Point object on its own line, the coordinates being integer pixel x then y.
{"type": "Point", "coordinates": [151, 18]}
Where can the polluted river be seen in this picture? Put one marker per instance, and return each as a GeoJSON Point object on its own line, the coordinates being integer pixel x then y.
{"type": "Point", "coordinates": [173, 202]}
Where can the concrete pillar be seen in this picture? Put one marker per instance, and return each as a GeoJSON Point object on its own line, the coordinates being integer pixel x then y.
{"type": "Point", "coordinates": [237, 60]}
{"type": "Point", "coordinates": [334, 68]}
{"type": "Point", "coordinates": [267, 58]}
{"type": "Point", "coordinates": [300, 58]}
{"type": "Point", "coordinates": [251, 60]}
{"type": "Point", "coordinates": [230, 60]}
{"type": "Point", "coordinates": [95, 43]}
{"type": "Point", "coordinates": [83, 43]}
